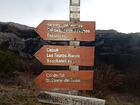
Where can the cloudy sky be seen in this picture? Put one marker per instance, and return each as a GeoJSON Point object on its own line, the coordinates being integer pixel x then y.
{"type": "Point", "coordinates": [121, 15]}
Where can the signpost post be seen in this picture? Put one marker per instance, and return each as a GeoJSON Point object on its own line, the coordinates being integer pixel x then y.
{"type": "Point", "coordinates": [75, 17]}
{"type": "Point", "coordinates": [72, 55]}
{"type": "Point", "coordinates": [74, 10]}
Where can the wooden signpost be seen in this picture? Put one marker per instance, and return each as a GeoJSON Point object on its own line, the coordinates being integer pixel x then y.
{"type": "Point", "coordinates": [73, 56]}
{"type": "Point", "coordinates": [66, 55]}
{"type": "Point", "coordinates": [66, 30]}
{"type": "Point", "coordinates": [66, 80]}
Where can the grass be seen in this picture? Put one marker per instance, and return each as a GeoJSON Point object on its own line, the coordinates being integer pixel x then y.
{"type": "Point", "coordinates": [32, 100]}
{"type": "Point", "coordinates": [122, 99]}
{"type": "Point", "coordinates": [28, 97]}
{"type": "Point", "coordinates": [19, 100]}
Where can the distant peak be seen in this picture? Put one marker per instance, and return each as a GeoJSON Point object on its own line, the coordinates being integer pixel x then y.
{"type": "Point", "coordinates": [107, 31]}
{"type": "Point", "coordinates": [17, 25]}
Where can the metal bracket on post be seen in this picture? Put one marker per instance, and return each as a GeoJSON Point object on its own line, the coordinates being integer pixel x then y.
{"type": "Point", "coordinates": [74, 68]}
{"type": "Point", "coordinates": [74, 43]}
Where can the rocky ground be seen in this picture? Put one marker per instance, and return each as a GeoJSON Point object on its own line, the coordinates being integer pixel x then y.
{"type": "Point", "coordinates": [26, 95]}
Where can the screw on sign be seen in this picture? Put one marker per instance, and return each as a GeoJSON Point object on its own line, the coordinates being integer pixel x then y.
{"type": "Point", "coordinates": [66, 30]}
{"type": "Point", "coordinates": [66, 55]}
{"type": "Point", "coordinates": [66, 80]}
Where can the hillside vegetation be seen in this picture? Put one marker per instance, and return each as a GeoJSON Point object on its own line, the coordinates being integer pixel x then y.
{"type": "Point", "coordinates": [117, 62]}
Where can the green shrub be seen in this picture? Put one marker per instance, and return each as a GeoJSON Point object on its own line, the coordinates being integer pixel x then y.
{"type": "Point", "coordinates": [107, 79]}
{"type": "Point", "coordinates": [7, 64]}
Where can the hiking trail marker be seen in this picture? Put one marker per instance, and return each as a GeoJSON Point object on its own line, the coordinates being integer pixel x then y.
{"type": "Point", "coordinates": [72, 55]}
{"type": "Point", "coordinates": [66, 30]}
{"type": "Point", "coordinates": [66, 55]}
{"type": "Point", "coordinates": [66, 80]}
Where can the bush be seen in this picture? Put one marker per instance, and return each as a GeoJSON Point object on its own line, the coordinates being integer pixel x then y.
{"type": "Point", "coordinates": [132, 84]}
{"type": "Point", "coordinates": [107, 79]}
{"type": "Point", "coordinates": [7, 64]}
